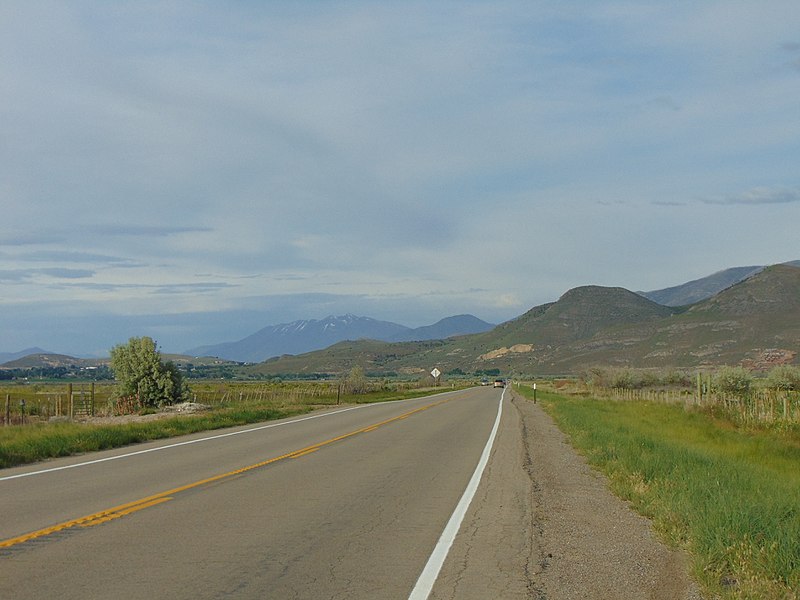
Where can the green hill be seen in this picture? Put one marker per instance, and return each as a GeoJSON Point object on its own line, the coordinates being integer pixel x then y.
{"type": "Point", "coordinates": [755, 322]}
{"type": "Point", "coordinates": [45, 360]}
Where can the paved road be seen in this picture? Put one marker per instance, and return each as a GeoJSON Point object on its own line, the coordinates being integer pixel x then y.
{"type": "Point", "coordinates": [343, 505]}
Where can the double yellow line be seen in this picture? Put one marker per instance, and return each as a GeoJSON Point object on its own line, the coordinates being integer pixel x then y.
{"type": "Point", "coordinates": [131, 507]}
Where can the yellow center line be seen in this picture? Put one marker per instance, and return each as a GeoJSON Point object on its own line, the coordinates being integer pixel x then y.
{"type": "Point", "coordinates": [105, 517]}
{"type": "Point", "coordinates": [299, 454]}
{"type": "Point", "coordinates": [130, 507]}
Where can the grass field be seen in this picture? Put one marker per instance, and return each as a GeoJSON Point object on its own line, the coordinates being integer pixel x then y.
{"type": "Point", "coordinates": [729, 496]}
{"type": "Point", "coordinates": [231, 404]}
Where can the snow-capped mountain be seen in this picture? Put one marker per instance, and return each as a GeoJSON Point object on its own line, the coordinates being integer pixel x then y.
{"type": "Point", "coordinates": [302, 336]}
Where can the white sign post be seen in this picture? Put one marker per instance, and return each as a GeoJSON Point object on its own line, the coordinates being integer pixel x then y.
{"type": "Point", "coordinates": [436, 372]}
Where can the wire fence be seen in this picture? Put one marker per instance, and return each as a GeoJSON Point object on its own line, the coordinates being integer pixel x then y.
{"type": "Point", "coordinates": [754, 406]}
{"type": "Point", "coordinates": [37, 403]}
{"type": "Point", "coordinates": [24, 404]}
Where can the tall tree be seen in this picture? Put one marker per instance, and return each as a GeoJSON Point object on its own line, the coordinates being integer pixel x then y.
{"type": "Point", "coordinates": [140, 372]}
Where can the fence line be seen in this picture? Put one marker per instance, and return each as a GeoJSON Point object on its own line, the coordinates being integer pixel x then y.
{"type": "Point", "coordinates": [35, 403]}
{"type": "Point", "coordinates": [763, 406]}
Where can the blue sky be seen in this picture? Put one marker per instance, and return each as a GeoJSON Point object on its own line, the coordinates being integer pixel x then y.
{"type": "Point", "coordinates": [196, 171]}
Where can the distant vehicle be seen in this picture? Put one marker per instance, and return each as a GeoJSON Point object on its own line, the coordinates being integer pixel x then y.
{"type": "Point", "coordinates": [499, 383]}
{"type": "Point", "coordinates": [484, 381]}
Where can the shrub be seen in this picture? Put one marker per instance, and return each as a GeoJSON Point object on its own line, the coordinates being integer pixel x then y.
{"type": "Point", "coordinates": [733, 381]}
{"type": "Point", "coordinates": [784, 378]}
{"type": "Point", "coordinates": [355, 382]}
{"type": "Point", "coordinates": [140, 373]}
{"type": "Point", "coordinates": [625, 379]}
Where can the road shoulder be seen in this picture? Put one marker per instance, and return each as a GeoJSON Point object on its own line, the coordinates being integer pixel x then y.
{"type": "Point", "coordinates": [545, 525]}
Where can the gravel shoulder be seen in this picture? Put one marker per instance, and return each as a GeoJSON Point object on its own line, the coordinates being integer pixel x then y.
{"type": "Point", "coordinates": [544, 525]}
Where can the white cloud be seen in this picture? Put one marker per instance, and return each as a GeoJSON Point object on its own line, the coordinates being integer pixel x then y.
{"type": "Point", "coordinates": [758, 196]}
{"type": "Point", "coordinates": [421, 158]}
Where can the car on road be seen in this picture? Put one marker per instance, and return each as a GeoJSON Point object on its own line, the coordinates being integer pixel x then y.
{"type": "Point", "coordinates": [499, 383]}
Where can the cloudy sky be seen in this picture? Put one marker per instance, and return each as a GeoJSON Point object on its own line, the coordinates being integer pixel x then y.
{"type": "Point", "coordinates": [194, 171]}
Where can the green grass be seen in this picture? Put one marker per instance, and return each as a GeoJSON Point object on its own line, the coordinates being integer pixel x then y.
{"type": "Point", "coordinates": [730, 497]}
{"type": "Point", "coordinates": [21, 444]}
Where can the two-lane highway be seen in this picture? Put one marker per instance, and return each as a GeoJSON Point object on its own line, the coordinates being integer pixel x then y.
{"type": "Point", "coordinates": [347, 504]}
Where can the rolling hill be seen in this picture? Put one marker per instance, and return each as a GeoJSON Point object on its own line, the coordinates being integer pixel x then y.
{"type": "Point", "coordinates": [50, 360]}
{"type": "Point", "coordinates": [11, 356]}
{"type": "Point", "coordinates": [755, 322]}
{"type": "Point", "coordinates": [705, 287]}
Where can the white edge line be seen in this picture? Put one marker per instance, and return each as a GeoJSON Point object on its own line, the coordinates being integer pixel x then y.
{"type": "Point", "coordinates": [167, 447]}
{"type": "Point", "coordinates": [427, 578]}
{"type": "Point", "coordinates": [205, 439]}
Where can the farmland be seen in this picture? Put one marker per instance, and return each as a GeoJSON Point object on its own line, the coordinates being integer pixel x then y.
{"type": "Point", "coordinates": [40, 426]}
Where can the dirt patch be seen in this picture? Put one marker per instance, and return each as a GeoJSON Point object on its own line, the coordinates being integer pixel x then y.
{"type": "Point", "coordinates": [770, 358]}
{"type": "Point", "coordinates": [184, 408]}
{"type": "Point", "coordinates": [500, 352]}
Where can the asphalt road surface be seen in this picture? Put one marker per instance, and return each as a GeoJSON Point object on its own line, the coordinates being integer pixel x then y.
{"type": "Point", "coordinates": [347, 504]}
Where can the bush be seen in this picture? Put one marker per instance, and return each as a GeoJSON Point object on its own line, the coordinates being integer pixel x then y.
{"type": "Point", "coordinates": [677, 378]}
{"type": "Point", "coordinates": [595, 377]}
{"type": "Point", "coordinates": [140, 373]}
{"type": "Point", "coordinates": [626, 380]}
{"type": "Point", "coordinates": [784, 378]}
{"type": "Point", "coordinates": [355, 382]}
{"type": "Point", "coordinates": [733, 381]}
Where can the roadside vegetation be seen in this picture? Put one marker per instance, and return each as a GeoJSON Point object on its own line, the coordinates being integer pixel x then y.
{"type": "Point", "coordinates": [767, 400]}
{"type": "Point", "coordinates": [721, 485]}
{"type": "Point", "coordinates": [144, 377]}
{"type": "Point", "coordinates": [42, 434]}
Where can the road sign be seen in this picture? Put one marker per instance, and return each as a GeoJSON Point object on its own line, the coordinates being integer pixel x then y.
{"type": "Point", "coordinates": [436, 372]}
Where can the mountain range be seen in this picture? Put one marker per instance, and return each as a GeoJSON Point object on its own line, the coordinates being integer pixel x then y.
{"type": "Point", "coordinates": [746, 315]}
{"type": "Point", "coordinates": [304, 336]}
{"type": "Point", "coordinates": [307, 335]}
{"type": "Point", "coordinates": [700, 289]}
{"type": "Point", "coordinates": [755, 322]}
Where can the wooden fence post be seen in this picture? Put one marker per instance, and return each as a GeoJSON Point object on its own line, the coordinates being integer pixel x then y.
{"type": "Point", "coordinates": [699, 388]}
{"type": "Point", "coordinates": [71, 403]}
{"type": "Point", "coordinates": [7, 419]}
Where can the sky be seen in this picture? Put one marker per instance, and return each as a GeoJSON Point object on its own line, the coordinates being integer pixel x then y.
{"type": "Point", "coordinates": [195, 171]}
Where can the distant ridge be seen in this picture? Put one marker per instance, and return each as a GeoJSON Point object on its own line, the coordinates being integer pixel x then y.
{"type": "Point", "coordinates": [49, 359]}
{"type": "Point", "coordinates": [701, 289]}
{"type": "Point", "coordinates": [705, 287]}
{"type": "Point", "coordinates": [303, 336]}
{"type": "Point", "coordinates": [443, 329]}
{"type": "Point", "coordinates": [754, 323]}
{"type": "Point", "coordinates": [611, 326]}
{"type": "Point", "coordinates": [10, 356]}
{"type": "Point", "coordinates": [298, 337]}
